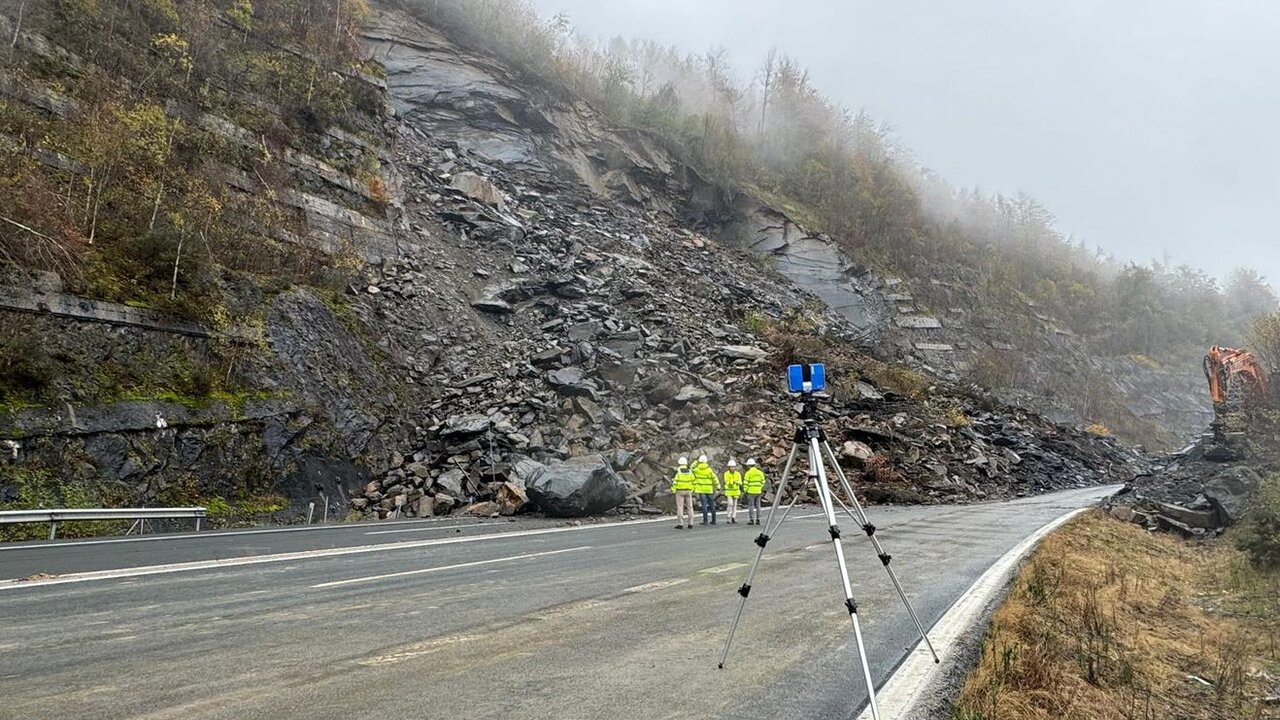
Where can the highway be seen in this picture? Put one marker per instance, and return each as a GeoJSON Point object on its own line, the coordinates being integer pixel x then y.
{"type": "Point", "coordinates": [459, 618]}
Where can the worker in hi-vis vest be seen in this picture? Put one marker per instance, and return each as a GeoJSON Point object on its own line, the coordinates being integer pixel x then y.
{"type": "Point", "coordinates": [732, 480]}
{"type": "Point", "coordinates": [682, 488]}
{"type": "Point", "coordinates": [753, 483]}
{"type": "Point", "coordinates": [706, 485]}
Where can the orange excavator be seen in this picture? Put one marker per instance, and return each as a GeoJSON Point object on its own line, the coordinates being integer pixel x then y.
{"type": "Point", "coordinates": [1237, 382]}
{"type": "Point", "coordinates": [1236, 379]}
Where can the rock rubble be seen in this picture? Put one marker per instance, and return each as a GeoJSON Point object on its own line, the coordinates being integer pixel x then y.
{"type": "Point", "coordinates": [544, 326]}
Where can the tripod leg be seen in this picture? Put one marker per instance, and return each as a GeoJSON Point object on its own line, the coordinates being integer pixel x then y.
{"type": "Point", "coordinates": [819, 477]}
{"type": "Point", "coordinates": [860, 516]}
{"type": "Point", "coordinates": [761, 540]}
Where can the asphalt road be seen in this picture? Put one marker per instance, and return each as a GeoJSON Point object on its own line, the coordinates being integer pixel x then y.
{"type": "Point", "coordinates": [463, 619]}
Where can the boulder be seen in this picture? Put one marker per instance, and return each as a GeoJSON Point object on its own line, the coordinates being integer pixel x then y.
{"type": "Point", "coordinates": [522, 468]}
{"type": "Point", "coordinates": [571, 381]}
{"type": "Point", "coordinates": [743, 352]}
{"type": "Point", "coordinates": [482, 509]}
{"type": "Point", "coordinates": [618, 374]}
{"type": "Point", "coordinates": [1203, 519]}
{"type": "Point", "coordinates": [857, 451]}
{"type": "Point", "coordinates": [496, 306]}
{"type": "Point", "coordinates": [588, 409]}
{"type": "Point", "coordinates": [511, 498]}
{"type": "Point", "coordinates": [452, 481]}
{"type": "Point", "coordinates": [443, 504]}
{"type": "Point", "coordinates": [576, 488]}
{"type": "Point", "coordinates": [462, 426]}
{"type": "Point", "coordinates": [1231, 491]}
{"type": "Point", "coordinates": [691, 393]}
{"type": "Point", "coordinates": [478, 189]}
{"type": "Point", "coordinates": [662, 390]}
{"type": "Point", "coordinates": [664, 500]}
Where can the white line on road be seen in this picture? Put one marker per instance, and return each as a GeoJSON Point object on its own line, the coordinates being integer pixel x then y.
{"type": "Point", "coordinates": [203, 535]}
{"type": "Point", "coordinates": [422, 529]}
{"type": "Point", "coordinates": [459, 566]}
{"type": "Point", "coordinates": [719, 569]}
{"type": "Point", "coordinates": [656, 585]}
{"type": "Point", "coordinates": [303, 555]}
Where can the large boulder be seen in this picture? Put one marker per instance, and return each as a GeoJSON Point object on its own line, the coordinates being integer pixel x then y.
{"type": "Point", "coordinates": [576, 488]}
{"type": "Point", "coordinates": [478, 189]}
{"type": "Point", "coordinates": [1231, 491]}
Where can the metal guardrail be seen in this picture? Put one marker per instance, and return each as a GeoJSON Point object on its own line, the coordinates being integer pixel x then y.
{"type": "Point", "coordinates": [139, 515]}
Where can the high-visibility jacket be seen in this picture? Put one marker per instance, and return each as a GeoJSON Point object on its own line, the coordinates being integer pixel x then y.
{"type": "Point", "coordinates": [732, 483]}
{"type": "Point", "coordinates": [683, 480]}
{"type": "Point", "coordinates": [754, 481]}
{"type": "Point", "coordinates": [704, 479]}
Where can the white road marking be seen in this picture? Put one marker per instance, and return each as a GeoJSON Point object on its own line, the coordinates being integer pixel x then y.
{"type": "Point", "coordinates": [459, 566]}
{"type": "Point", "coordinates": [423, 529]}
{"type": "Point", "coordinates": [898, 696]}
{"type": "Point", "coordinates": [723, 568]}
{"type": "Point", "coordinates": [656, 585]}
{"type": "Point", "coordinates": [202, 535]}
{"type": "Point", "coordinates": [18, 584]}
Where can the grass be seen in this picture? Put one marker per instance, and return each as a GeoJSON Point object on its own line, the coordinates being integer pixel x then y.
{"type": "Point", "coordinates": [1110, 622]}
{"type": "Point", "coordinates": [903, 380]}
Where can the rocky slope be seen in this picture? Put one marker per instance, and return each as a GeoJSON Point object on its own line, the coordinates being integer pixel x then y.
{"type": "Point", "coordinates": [537, 288]}
{"type": "Point", "coordinates": [1207, 486]}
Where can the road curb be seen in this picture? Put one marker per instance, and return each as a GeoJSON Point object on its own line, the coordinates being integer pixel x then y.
{"type": "Point", "coordinates": [906, 693]}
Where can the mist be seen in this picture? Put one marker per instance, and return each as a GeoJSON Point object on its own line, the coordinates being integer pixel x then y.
{"type": "Point", "coordinates": [1144, 127]}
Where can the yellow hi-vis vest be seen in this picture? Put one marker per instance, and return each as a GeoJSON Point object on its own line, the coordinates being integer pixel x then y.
{"type": "Point", "coordinates": [682, 481]}
{"type": "Point", "coordinates": [755, 481]}
{"type": "Point", "coordinates": [704, 479]}
{"type": "Point", "coordinates": [732, 483]}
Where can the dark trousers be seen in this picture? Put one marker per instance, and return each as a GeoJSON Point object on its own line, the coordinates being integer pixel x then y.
{"type": "Point", "coordinates": [708, 501]}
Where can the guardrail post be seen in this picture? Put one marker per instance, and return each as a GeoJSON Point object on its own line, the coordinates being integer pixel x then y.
{"type": "Point", "coordinates": [53, 529]}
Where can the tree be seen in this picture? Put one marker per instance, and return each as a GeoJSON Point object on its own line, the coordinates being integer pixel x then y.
{"type": "Point", "coordinates": [767, 73]}
{"type": "Point", "coordinates": [1264, 339]}
{"type": "Point", "coordinates": [1248, 295]}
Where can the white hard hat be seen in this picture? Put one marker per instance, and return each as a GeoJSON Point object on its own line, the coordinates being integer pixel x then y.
{"type": "Point", "coordinates": [684, 460]}
{"type": "Point", "coordinates": [733, 463]}
{"type": "Point", "coordinates": [702, 458]}
{"type": "Point", "coordinates": [751, 461]}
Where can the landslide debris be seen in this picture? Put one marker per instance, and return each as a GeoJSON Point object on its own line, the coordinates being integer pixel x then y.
{"type": "Point", "coordinates": [1208, 486]}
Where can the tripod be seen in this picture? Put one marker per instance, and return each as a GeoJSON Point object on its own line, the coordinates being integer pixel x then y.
{"type": "Point", "coordinates": [811, 435]}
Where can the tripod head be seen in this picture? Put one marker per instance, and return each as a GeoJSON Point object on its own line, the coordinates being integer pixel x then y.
{"type": "Point", "coordinates": [809, 413]}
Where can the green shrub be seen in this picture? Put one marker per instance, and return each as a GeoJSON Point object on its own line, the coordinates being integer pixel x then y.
{"type": "Point", "coordinates": [1259, 538]}
{"type": "Point", "coordinates": [26, 370]}
{"type": "Point", "coordinates": [29, 489]}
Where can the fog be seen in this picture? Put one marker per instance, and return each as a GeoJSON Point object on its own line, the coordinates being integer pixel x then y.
{"type": "Point", "coordinates": [1147, 127]}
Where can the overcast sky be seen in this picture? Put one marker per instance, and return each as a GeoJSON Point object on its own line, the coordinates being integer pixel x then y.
{"type": "Point", "coordinates": [1150, 128]}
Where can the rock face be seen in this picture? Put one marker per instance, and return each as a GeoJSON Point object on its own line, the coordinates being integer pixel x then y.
{"type": "Point", "coordinates": [541, 292]}
{"type": "Point", "coordinates": [576, 488]}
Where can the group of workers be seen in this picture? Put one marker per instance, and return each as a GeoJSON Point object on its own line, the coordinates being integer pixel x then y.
{"type": "Point", "coordinates": [701, 480]}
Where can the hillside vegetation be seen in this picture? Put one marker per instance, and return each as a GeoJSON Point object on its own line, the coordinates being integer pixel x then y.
{"type": "Point", "coordinates": [147, 149]}
{"type": "Point", "coordinates": [117, 176]}
{"type": "Point", "coordinates": [1111, 622]}
{"type": "Point", "coordinates": [776, 135]}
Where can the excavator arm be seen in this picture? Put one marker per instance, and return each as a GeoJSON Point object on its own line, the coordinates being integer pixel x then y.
{"type": "Point", "coordinates": [1236, 378]}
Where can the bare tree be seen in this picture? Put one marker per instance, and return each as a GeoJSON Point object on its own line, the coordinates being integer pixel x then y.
{"type": "Point", "coordinates": [767, 74]}
{"type": "Point", "coordinates": [17, 25]}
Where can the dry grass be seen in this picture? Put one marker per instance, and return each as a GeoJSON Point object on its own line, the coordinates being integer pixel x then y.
{"type": "Point", "coordinates": [1110, 622]}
